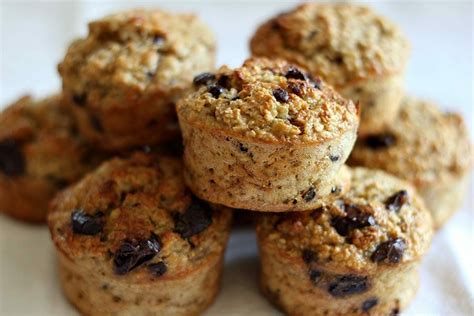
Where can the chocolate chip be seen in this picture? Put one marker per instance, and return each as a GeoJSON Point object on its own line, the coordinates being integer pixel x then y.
{"type": "Point", "coordinates": [369, 304]}
{"type": "Point", "coordinates": [295, 73]}
{"type": "Point", "coordinates": [157, 269]}
{"type": "Point", "coordinates": [296, 87]}
{"type": "Point", "coordinates": [314, 275]}
{"type": "Point", "coordinates": [158, 40]}
{"type": "Point", "coordinates": [334, 158]}
{"type": "Point", "coordinates": [204, 78]}
{"type": "Point", "coordinates": [395, 312]}
{"type": "Point", "coordinates": [96, 124]}
{"type": "Point", "coordinates": [281, 95]}
{"type": "Point", "coordinates": [195, 220]}
{"type": "Point", "coordinates": [395, 202]}
{"type": "Point", "coordinates": [357, 217]}
{"type": "Point", "coordinates": [390, 251]}
{"type": "Point", "coordinates": [79, 99]}
{"type": "Point", "coordinates": [86, 224]}
{"type": "Point", "coordinates": [12, 161]}
{"type": "Point", "coordinates": [336, 189]}
{"type": "Point", "coordinates": [224, 81]}
{"type": "Point", "coordinates": [215, 90]}
{"type": "Point", "coordinates": [243, 148]}
{"type": "Point", "coordinates": [348, 285]}
{"type": "Point", "coordinates": [130, 254]}
{"type": "Point", "coordinates": [380, 141]}
{"type": "Point", "coordinates": [309, 195]}
{"type": "Point", "coordinates": [308, 256]}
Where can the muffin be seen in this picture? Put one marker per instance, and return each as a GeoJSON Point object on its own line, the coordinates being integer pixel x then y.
{"type": "Point", "coordinates": [356, 256]}
{"type": "Point", "coordinates": [123, 79]}
{"type": "Point", "coordinates": [132, 240]}
{"type": "Point", "coordinates": [265, 137]}
{"type": "Point", "coordinates": [40, 154]}
{"type": "Point", "coordinates": [426, 147]}
{"type": "Point", "coordinates": [360, 53]}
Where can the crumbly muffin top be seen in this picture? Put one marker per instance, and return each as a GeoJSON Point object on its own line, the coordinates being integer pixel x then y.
{"type": "Point", "coordinates": [135, 53]}
{"type": "Point", "coordinates": [341, 43]}
{"type": "Point", "coordinates": [380, 221]}
{"type": "Point", "coordinates": [423, 145]}
{"type": "Point", "coordinates": [135, 217]}
{"type": "Point", "coordinates": [271, 101]}
{"type": "Point", "coordinates": [38, 139]}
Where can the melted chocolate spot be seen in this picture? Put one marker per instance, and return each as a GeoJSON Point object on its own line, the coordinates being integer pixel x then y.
{"type": "Point", "coordinates": [204, 78]}
{"type": "Point", "coordinates": [86, 224]}
{"type": "Point", "coordinates": [243, 148]}
{"type": "Point", "coordinates": [157, 269]}
{"type": "Point", "coordinates": [395, 202]}
{"type": "Point", "coordinates": [356, 218]}
{"type": "Point", "coordinates": [314, 275]}
{"type": "Point", "coordinates": [309, 195]}
{"type": "Point", "coordinates": [369, 304]}
{"type": "Point", "coordinates": [295, 73]}
{"type": "Point", "coordinates": [215, 90]}
{"type": "Point", "coordinates": [334, 158]}
{"type": "Point", "coordinates": [12, 161]}
{"type": "Point", "coordinates": [131, 255]}
{"type": "Point", "coordinates": [195, 220]}
{"type": "Point", "coordinates": [390, 251]}
{"type": "Point", "coordinates": [348, 285]}
{"type": "Point", "coordinates": [224, 81]}
{"type": "Point", "coordinates": [281, 95]}
{"type": "Point", "coordinates": [380, 141]}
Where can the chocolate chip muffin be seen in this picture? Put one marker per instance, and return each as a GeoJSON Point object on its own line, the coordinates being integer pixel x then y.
{"type": "Point", "coordinates": [356, 256]}
{"type": "Point", "coordinates": [265, 137]}
{"type": "Point", "coordinates": [360, 53]}
{"type": "Point", "coordinates": [427, 147]}
{"type": "Point", "coordinates": [123, 79]}
{"type": "Point", "coordinates": [132, 240]}
{"type": "Point", "coordinates": [40, 154]}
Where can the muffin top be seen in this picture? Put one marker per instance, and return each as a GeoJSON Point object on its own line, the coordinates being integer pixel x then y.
{"type": "Point", "coordinates": [381, 221]}
{"type": "Point", "coordinates": [135, 217]}
{"type": "Point", "coordinates": [269, 101]}
{"type": "Point", "coordinates": [38, 139]}
{"type": "Point", "coordinates": [342, 43]}
{"type": "Point", "coordinates": [134, 54]}
{"type": "Point", "coordinates": [423, 145]}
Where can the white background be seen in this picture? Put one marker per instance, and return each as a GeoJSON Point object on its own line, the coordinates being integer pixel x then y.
{"type": "Point", "coordinates": [34, 36]}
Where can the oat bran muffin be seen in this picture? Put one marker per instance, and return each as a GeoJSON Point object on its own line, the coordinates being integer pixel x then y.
{"type": "Point", "coordinates": [360, 53]}
{"type": "Point", "coordinates": [40, 153]}
{"type": "Point", "coordinates": [132, 240]}
{"type": "Point", "coordinates": [356, 256]}
{"type": "Point", "coordinates": [426, 147]}
{"type": "Point", "coordinates": [266, 137]}
{"type": "Point", "coordinates": [123, 79]}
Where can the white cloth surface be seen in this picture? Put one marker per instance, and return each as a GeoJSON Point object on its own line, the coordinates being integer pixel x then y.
{"type": "Point", "coordinates": [34, 37]}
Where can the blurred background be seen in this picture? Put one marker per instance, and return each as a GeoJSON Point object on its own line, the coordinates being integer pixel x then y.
{"type": "Point", "coordinates": [34, 38]}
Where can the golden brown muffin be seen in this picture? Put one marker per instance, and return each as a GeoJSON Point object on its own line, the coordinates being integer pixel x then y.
{"type": "Point", "coordinates": [123, 79]}
{"type": "Point", "coordinates": [265, 137]}
{"type": "Point", "coordinates": [132, 240]}
{"type": "Point", "coordinates": [360, 53]}
{"type": "Point", "coordinates": [356, 256]}
{"type": "Point", "coordinates": [426, 147]}
{"type": "Point", "coordinates": [40, 153]}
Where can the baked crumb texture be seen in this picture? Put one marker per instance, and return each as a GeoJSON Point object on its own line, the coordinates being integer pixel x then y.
{"type": "Point", "coordinates": [360, 53]}
{"type": "Point", "coordinates": [356, 256]}
{"type": "Point", "coordinates": [261, 136]}
{"type": "Point", "coordinates": [426, 147]}
{"type": "Point", "coordinates": [124, 78]}
{"type": "Point", "coordinates": [132, 240]}
{"type": "Point", "coordinates": [40, 154]}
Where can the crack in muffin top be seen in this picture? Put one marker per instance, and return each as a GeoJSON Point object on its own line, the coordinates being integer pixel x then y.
{"type": "Point", "coordinates": [132, 52]}
{"type": "Point", "coordinates": [136, 215]}
{"type": "Point", "coordinates": [380, 221]}
{"type": "Point", "coordinates": [39, 139]}
{"type": "Point", "coordinates": [342, 43]}
{"type": "Point", "coordinates": [270, 101]}
{"type": "Point", "coordinates": [422, 145]}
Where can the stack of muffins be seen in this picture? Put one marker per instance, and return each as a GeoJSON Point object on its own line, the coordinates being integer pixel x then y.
{"type": "Point", "coordinates": [140, 232]}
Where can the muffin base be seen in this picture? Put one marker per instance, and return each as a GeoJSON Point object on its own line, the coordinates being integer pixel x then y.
{"type": "Point", "coordinates": [186, 294]}
{"type": "Point", "coordinates": [264, 177]}
{"type": "Point", "coordinates": [379, 100]}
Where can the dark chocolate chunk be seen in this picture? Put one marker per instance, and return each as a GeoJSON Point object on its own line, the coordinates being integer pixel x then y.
{"type": "Point", "coordinates": [346, 285]}
{"type": "Point", "coordinates": [131, 255]}
{"type": "Point", "coordinates": [79, 99]}
{"type": "Point", "coordinates": [334, 158]}
{"type": "Point", "coordinates": [395, 202]}
{"type": "Point", "coordinates": [195, 220]}
{"type": "Point", "coordinates": [296, 87]}
{"type": "Point", "coordinates": [390, 251]}
{"type": "Point", "coordinates": [355, 217]}
{"type": "Point", "coordinates": [224, 81]}
{"type": "Point", "coordinates": [12, 161]}
{"type": "Point", "coordinates": [308, 256]}
{"type": "Point", "coordinates": [295, 73]}
{"type": "Point", "coordinates": [86, 224]}
{"type": "Point", "coordinates": [314, 275]}
{"type": "Point", "coordinates": [157, 269]}
{"type": "Point", "coordinates": [380, 141]}
{"type": "Point", "coordinates": [243, 148]}
{"type": "Point", "coordinates": [215, 90]}
{"type": "Point", "coordinates": [369, 304]}
{"type": "Point", "coordinates": [309, 195]}
{"type": "Point", "coordinates": [204, 78]}
{"type": "Point", "coordinates": [281, 95]}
